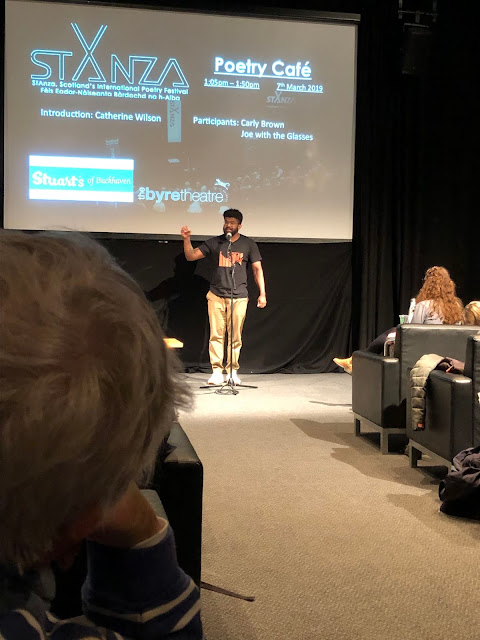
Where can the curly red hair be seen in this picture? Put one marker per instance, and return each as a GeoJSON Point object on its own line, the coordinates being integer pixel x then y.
{"type": "Point", "coordinates": [439, 288]}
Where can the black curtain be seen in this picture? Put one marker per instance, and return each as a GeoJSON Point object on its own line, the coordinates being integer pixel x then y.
{"type": "Point", "coordinates": [307, 318]}
{"type": "Point", "coordinates": [416, 161]}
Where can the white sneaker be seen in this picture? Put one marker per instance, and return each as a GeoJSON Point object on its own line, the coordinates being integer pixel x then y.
{"type": "Point", "coordinates": [235, 378]}
{"type": "Point", "coordinates": [216, 378]}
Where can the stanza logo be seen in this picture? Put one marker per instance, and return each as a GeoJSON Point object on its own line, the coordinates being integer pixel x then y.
{"type": "Point", "coordinates": [278, 99]}
{"type": "Point", "coordinates": [54, 60]}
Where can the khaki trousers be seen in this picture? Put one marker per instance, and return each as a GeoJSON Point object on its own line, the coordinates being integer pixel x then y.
{"type": "Point", "coordinates": [219, 316]}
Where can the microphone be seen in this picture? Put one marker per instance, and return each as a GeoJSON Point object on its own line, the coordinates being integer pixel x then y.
{"type": "Point", "coordinates": [228, 236]}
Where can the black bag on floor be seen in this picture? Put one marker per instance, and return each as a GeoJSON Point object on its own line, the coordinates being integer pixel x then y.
{"type": "Point", "coordinates": [459, 491]}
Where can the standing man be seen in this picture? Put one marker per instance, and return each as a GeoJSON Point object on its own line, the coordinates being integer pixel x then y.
{"type": "Point", "coordinates": [243, 250]}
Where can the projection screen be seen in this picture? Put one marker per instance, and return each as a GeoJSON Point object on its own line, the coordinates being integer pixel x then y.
{"type": "Point", "coordinates": [126, 120]}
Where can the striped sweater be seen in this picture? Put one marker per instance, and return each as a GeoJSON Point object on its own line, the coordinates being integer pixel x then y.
{"type": "Point", "coordinates": [129, 593]}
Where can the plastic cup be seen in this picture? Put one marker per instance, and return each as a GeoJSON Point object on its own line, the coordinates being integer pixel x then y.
{"type": "Point", "coordinates": [403, 317]}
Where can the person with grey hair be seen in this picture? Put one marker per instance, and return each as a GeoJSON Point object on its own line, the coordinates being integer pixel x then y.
{"type": "Point", "coordinates": [88, 390]}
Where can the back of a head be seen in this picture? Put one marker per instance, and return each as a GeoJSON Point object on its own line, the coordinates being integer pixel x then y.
{"type": "Point", "coordinates": [472, 313]}
{"type": "Point", "coordinates": [87, 389]}
{"type": "Point", "coordinates": [439, 288]}
{"type": "Point", "coordinates": [436, 283]}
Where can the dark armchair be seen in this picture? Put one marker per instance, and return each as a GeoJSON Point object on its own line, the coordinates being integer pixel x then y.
{"type": "Point", "coordinates": [178, 480]}
{"type": "Point", "coordinates": [176, 491]}
{"type": "Point", "coordinates": [452, 418]}
{"type": "Point", "coordinates": [380, 384]}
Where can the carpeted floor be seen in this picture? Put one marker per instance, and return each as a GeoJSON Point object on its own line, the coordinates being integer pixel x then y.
{"type": "Point", "coordinates": [334, 540]}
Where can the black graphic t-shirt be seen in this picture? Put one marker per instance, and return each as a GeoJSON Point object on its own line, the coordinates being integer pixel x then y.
{"type": "Point", "coordinates": [244, 250]}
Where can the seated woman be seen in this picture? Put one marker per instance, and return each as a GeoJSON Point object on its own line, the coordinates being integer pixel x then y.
{"type": "Point", "coordinates": [471, 313]}
{"type": "Point", "coordinates": [435, 303]}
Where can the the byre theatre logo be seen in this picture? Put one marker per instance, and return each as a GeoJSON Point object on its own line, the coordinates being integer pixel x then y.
{"type": "Point", "coordinates": [181, 195]}
{"type": "Point", "coordinates": [218, 194]}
